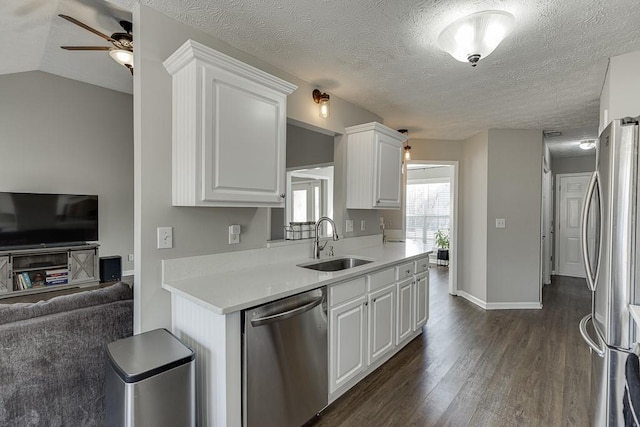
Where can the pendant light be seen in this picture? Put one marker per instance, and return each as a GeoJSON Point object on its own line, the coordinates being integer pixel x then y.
{"type": "Point", "coordinates": [407, 147]}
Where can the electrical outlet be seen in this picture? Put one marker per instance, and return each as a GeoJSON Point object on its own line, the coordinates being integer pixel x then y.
{"type": "Point", "coordinates": [501, 223]}
{"type": "Point", "coordinates": [382, 221]}
{"type": "Point", "coordinates": [349, 226]}
{"type": "Point", "coordinates": [363, 225]}
{"type": "Point", "coordinates": [130, 258]}
{"type": "Point", "coordinates": [165, 237]}
{"type": "Point", "coordinates": [234, 234]}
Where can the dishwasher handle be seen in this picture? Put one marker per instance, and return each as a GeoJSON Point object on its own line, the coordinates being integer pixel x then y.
{"type": "Point", "coordinates": [259, 321]}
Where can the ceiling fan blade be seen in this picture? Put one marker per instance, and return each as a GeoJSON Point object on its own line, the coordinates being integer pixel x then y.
{"type": "Point", "coordinates": [86, 47]}
{"type": "Point", "coordinates": [86, 27]}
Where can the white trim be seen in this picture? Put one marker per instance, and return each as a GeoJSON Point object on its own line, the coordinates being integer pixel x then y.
{"type": "Point", "coordinates": [499, 305]}
{"type": "Point", "coordinates": [453, 244]}
{"type": "Point", "coordinates": [127, 273]}
{"type": "Point", "coordinates": [513, 306]}
{"type": "Point", "coordinates": [477, 301]}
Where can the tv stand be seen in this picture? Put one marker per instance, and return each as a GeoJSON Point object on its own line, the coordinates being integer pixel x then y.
{"type": "Point", "coordinates": [42, 269]}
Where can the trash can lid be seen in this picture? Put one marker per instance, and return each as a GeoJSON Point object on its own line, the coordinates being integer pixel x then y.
{"type": "Point", "coordinates": [142, 356]}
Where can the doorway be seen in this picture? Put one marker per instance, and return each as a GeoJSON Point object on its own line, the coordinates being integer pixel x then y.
{"type": "Point", "coordinates": [570, 194]}
{"type": "Point", "coordinates": [431, 205]}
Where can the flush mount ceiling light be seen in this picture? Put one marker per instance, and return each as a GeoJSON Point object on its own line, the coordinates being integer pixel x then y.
{"type": "Point", "coordinates": [474, 37]}
{"type": "Point", "coordinates": [321, 99]}
{"type": "Point", "coordinates": [587, 144]}
{"type": "Point", "coordinates": [407, 147]}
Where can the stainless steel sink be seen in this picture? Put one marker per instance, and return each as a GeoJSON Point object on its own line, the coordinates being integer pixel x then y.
{"type": "Point", "coordinates": [336, 264]}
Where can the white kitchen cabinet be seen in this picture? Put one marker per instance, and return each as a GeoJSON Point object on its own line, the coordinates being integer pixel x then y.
{"type": "Point", "coordinates": [421, 301]}
{"type": "Point", "coordinates": [347, 342]}
{"type": "Point", "coordinates": [405, 311]}
{"type": "Point", "coordinates": [374, 159]}
{"type": "Point", "coordinates": [382, 320]}
{"type": "Point", "coordinates": [229, 130]}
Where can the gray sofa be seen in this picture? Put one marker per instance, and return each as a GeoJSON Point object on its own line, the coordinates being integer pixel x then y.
{"type": "Point", "coordinates": [52, 356]}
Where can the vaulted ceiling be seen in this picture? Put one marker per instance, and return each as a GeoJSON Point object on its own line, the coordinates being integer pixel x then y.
{"type": "Point", "coordinates": [383, 55]}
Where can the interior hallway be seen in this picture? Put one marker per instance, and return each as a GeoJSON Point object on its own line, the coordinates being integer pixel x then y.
{"type": "Point", "coordinates": [481, 368]}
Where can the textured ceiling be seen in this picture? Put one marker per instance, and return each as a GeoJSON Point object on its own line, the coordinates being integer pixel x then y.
{"type": "Point", "coordinates": [566, 145]}
{"type": "Point", "coordinates": [36, 34]}
{"type": "Point", "coordinates": [383, 55]}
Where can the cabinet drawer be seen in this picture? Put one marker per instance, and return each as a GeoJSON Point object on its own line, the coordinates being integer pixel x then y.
{"type": "Point", "coordinates": [381, 279]}
{"type": "Point", "coordinates": [422, 265]}
{"type": "Point", "coordinates": [347, 291]}
{"type": "Point", "coordinates": [404, 271]}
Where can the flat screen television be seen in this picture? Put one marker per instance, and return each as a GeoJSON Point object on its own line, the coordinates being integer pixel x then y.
{"type": "Point", "coordinates": [37, 219]}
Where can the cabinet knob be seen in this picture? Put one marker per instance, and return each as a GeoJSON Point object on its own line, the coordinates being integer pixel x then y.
{"type": "Point", "coordinates": [374, 300]}
{"type": "Point", "coordinates": [408, 271]}
{"type": "Point", "coordinates": [282, 195]}
{"type": "Point", "coordinates": [424, 265]}
{"type": "Point", "coordinates": [366, 303]}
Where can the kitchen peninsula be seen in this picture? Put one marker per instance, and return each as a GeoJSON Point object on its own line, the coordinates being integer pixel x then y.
{"type": "Point", "coordinates": [209, 292]}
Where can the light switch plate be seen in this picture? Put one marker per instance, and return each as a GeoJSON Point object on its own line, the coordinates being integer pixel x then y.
{"type": "Point", "coordinates": [363, 225]}
{"type": "Point", "coordinates": [349, 226]}
{"type": "Point", "coordinates": [501, 223]}
{"type": "Point", "coordinates": [130, 257]}
{"type": "Point", "coordinates": [165, 237]}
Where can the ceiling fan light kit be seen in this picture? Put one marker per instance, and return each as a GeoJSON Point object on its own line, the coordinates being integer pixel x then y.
{"type": "Point", "coordinates": [122, 50]}
{"type": "Point", "coordinates": [474, 37]}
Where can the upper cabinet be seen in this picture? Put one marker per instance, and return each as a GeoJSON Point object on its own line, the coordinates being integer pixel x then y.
{"type": "Point", "coordinates": [229, 130]}
{"type": "Point", "coordinates": [374, 162]}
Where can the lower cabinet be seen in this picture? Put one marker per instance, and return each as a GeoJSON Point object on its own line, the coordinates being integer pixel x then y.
{"type": "Point", "coordinates": [421, 301]}
{"type": "Point", "coordinates": [406, 311]}
{"type": "Point", "coordinates": [382, 314]}
{"type": "Point", "coordinates": [347, 338]}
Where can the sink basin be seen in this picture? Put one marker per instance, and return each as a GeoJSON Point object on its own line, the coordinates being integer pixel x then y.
{"type": "Point", "coordinates": [336, 264]}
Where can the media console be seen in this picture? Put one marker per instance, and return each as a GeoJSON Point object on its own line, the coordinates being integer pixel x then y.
{"type": "Point", "coordinates": [25, 271]}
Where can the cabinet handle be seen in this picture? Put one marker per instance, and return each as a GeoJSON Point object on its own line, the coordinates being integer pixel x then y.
{"type": "Point", "coordinates": [374, 300]}
{"type": "Point", "coordinates": [366, 303]}
{"type": "Point", "coordinates": [378, 202]}
{"type": "Point", "coordinates": [282, 195]}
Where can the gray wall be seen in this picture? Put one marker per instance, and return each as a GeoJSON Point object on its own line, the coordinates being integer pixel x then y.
{"type": "Point", "coordinates": [474, 184]}
{"type": "Point", "coordinates": [62, 136]}
{"type": "Point", "coordinates": [575, 164]}
{"type": "Point", "coordinates": [306, 147]}
{"type": "Point", "coordinates": [515, 194]}
{"type": "Point", "coordinates": [197, 231]}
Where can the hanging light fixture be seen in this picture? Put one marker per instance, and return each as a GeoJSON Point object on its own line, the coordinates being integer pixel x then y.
{"type": "Point", "coordinates": [407, 147]}
{"type": "Point", "coordinates": [474, 37]}
{"type": "Point", "coordinates": [122, 57]}
{"type": "Point", "coordinates": [587, 144]}
{"type": "Point", "coordinates": [322, 99]}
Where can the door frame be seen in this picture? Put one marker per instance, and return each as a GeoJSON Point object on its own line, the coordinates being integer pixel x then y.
{"type": "Point", "coordinates": [556, 220]}
{"type": "Point", "coordinates": [546, 229]}
{"type": "Point", "coordinates": [453, 238]}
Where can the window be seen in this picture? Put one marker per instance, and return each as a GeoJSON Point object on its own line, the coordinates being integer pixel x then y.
{"type": "Point", "coordinates": [428, 209]}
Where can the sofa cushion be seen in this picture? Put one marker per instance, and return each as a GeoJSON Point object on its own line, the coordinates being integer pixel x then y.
{"type": "Point", "coordinates": [15, 312]}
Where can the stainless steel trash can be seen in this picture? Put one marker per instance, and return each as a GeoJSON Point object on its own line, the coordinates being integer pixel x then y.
{"type": "Point", "coordinates": [149, 381]}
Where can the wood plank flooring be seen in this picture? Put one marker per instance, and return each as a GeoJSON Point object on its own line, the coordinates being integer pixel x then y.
{"type": "Point", "coordinates": [473, 367]}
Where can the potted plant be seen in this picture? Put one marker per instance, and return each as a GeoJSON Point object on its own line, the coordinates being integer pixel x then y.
{"type": "Point", "coordinates": [442, 241]}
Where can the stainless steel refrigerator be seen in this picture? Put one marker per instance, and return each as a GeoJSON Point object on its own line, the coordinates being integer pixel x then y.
{"type": "Point", "coordinates": [609, 239]}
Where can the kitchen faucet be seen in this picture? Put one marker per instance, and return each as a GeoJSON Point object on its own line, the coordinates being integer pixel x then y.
{"type": "Point", "coordinates": [316, 243]}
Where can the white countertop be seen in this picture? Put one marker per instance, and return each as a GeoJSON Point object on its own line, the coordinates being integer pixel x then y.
{"type": "Point", "coordinates": [231, 291]}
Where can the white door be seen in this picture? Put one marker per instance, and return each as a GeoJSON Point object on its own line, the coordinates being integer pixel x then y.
{"type": "Point", "coordinates": [547, 232]}
{"type": "Point", "coordinates": [348, 346]}
{"type": "Point", "coordinates": [405, 310]}
{"type": "Point", "coordinates": [422, 301]}
{"type": "Point", "coordinates": [570, 190]}
{"type": "Point", "coordinates": [381, 322]}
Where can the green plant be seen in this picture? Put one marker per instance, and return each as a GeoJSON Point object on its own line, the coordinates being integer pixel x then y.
{"type": "Point", "coordinates": [442, 239]}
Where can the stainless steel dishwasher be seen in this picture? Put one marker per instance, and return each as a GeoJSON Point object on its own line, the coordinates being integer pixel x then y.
{"type": "Point", "coordinates": [284, 367]}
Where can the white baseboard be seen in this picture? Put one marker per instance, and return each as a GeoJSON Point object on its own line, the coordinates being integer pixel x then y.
{"type": "Point", "coordinates": [477, 301]}
{"type": "Point", "coordinates": [499, 305]}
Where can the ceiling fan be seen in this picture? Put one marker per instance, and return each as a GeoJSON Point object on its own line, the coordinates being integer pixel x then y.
{"type": "Point", "coordinates": [122, 49]}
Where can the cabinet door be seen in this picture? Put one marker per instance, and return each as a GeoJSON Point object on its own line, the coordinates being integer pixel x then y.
{"type": "Point", "coordinates": [388, 164]}
{"type": "Point", "coordinates": [82, 266]}
{"type": "Point", "coordinates": [244, 141]}
{"type": "Point", "coordinates": [347, 333]}
{"type": "Point", "coordinates": [382, 316]}
{"type": "Point", "coordinates": [422, 301]}
{"type": "Point", "coordinates": [4, 275]}
{"type": "Point", "coordinates": [405, 310]}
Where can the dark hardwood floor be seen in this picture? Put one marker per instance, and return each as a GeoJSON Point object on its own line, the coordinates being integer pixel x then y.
{"type": "Point", "coordinates": [472, 367]}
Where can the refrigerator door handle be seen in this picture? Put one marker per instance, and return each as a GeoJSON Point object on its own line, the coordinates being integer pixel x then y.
{"type": "Point", "coordinates": [591, 284]}
{"type": "Point", "coordinates": [599, 349]}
